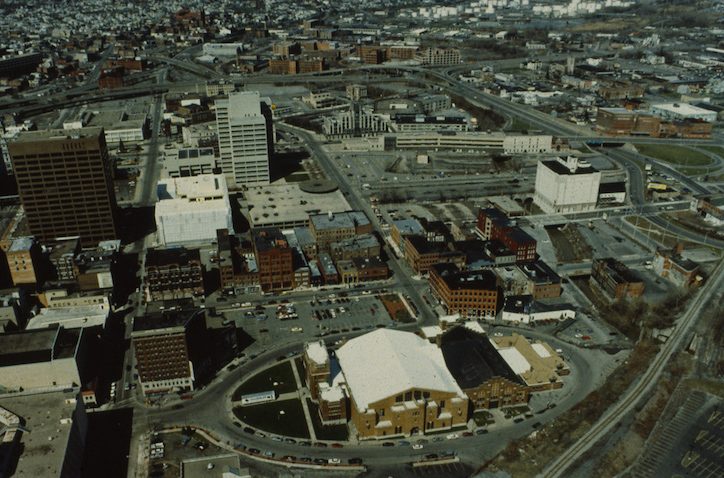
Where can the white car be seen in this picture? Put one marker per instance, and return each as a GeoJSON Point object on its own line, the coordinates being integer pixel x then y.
{"type": "Point", "coordinates": [453, 436]}
{"type": "Point", "coordinates": [417, 446]}
{"type": "Point", "coordinates": [296, 329]}
{"type": "Point", "coordinates": [334, 461]}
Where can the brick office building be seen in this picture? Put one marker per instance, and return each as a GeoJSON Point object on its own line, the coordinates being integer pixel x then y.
{"type": "Point", "coordinates": [468, 293]}
{"type": "Point", "coordinates": [335, 227]}
{"type": "Point", "coordinates": [494, 224]}
{"type": "Point", "coordinates": [421, 254]}
{"type": "Point", "coordinates": [166, 345]}
{"type": "Point", "coordinates": [274, 259]}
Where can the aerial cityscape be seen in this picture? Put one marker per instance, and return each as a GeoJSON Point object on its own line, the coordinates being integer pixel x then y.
{"type": "Point", "coordinates": [460, 238]}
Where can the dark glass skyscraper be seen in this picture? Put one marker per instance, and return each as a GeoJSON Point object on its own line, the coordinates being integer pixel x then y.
{"type": "Point", "coordinates": [65, 184]}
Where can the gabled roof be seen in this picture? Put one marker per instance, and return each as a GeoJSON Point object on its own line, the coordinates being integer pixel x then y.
{"type": "Point", "coordinates": [387, 362]}
{"type": "Point", "coordinates": [473, 360]}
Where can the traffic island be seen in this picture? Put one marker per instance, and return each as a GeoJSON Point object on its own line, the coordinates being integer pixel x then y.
{"type": "Point", "coordinates": [281, 417]}
{"type": "Point", "coordinates": [279, 378]}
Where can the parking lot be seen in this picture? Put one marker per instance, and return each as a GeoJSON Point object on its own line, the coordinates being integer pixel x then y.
{"type": "Point", "coordinates": [318, 316]}
{"type": "Point", "coordinates": [691, 444]}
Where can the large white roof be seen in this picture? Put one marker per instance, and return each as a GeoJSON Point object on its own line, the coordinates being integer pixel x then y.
{"type": "Point", "coordinates": [515, 359]}
{"type": "Point", "coordinates": [388, 362]}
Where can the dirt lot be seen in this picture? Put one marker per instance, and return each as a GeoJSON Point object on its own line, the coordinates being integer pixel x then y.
{"type": "Point", "coordinates": [569, 243]}
{"type": "Point", "coordinates": [395, 307]}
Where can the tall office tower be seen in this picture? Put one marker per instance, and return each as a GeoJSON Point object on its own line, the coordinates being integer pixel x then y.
{"type": "Point", "coordinates": [65, 184]}
{"type": "Point", "coordinates": [245, 136]}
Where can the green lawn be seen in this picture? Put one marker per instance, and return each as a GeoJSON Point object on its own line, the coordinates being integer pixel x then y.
{"type": "Point", "coordinates": [269, 417]}
{"type": "Point", "coordinates": [514, 411]}
{"type": "Point", "coordinates": [483, 417]}
{"type": "Point", "coordinates": [326, 432]}
{"type": "Point", "coordinates": [675, 154]}
{"type": "Point", "coordinates": [713, 149]}
{"type": "Point", "coordinates": [519, 125]}
{"type": "Point", "coordinates": [693, 171]}
{"type": "Point", "coordinates": [264, 381]}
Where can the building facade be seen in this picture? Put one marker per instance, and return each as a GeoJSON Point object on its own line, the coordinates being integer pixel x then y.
{"type": "Point", "coordinates": [173, 274]}
{"type": "Point", "coordinates": [274, 259]}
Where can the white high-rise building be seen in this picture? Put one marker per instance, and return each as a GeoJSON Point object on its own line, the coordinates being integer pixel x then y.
{"type": "Point", "coordinates": [243, 121]}
{"type": "Point", "coordinates": [566, 185]}
{"type": "Point", "coordinates": [190, 209]}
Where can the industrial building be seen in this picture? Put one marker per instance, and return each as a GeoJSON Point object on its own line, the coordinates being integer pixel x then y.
{"type": "Point", "coordinates": [615, 279]}
{"type": "Point", "coordinates": [566, 185]}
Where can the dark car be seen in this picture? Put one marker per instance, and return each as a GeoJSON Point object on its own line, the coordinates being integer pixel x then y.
{"type": "Point", "coordinates": [290, 440]}
{"type": "Point", "coordinates": [482, 431]}
{"type": "Point", "coordinates": [337, 445]}
{"type": "Point", "coordinates": [305, 443]}
{"type": "Point", "coordinates": [388, 443]}
{"type": "Point", "coordinates": [305, 459]}
{"type": "Point", "coordinates": [468, 434]}
{"type": "Point", "coordinates": [254, 451]}
{"type": "Point", "coordinates": [355, 461]}
{"type": "Point", "coordinates": [517, 420]}
{"type": "Point", "coordinates": [320, 444]}
{"type": "Point", "coordinates": [249, 430]}
{"type": "Point", "coordinates": [320, 461]}
{"type": "Point", "coordinates": [431, 456]}
{"type": "Point", "coordinates": [289, 458]}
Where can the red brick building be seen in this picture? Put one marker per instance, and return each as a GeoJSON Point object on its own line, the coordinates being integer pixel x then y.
{"type": "Point", "coordinates": [494, 224]}
{"type": "Point", "coordinates": [421, 254]}
{"type": "Point", "coordinates": [273, 259]}
{"type": "Point", "coordinates": [468, 293]}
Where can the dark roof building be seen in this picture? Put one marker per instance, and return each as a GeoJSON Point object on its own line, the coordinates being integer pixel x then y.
{"type": "Point", "coordinates": [480, 370]}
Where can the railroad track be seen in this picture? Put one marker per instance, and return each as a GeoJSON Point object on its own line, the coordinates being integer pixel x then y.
{"type": "Point", "coordinates": [642, 387]}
